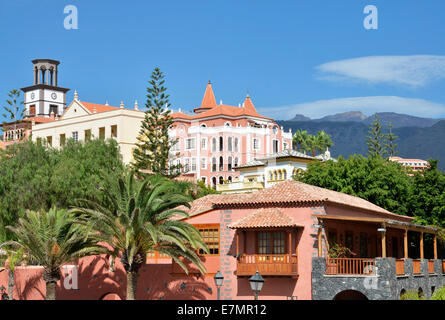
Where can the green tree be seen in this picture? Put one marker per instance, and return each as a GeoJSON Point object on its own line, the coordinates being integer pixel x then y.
{"type": "Point", "coordinates": [12, 258]}
{"type": "Point", "coordinates": [153, 143]}
{"type": "Point", "coordinates": [377, 180]}
{"type": "Point", "coordinates": [299, 139]}
{"type": "Point", "coordinates": [13, 111]}
{"type": "Point", "coordinates": [376, 139]}
{"type": "Point", "coordinates": [428, 197]}
{"type": "Point", "coordinates": [390, 144]}
{"type": "Point", "coordinates": [138, 218]}
{"type": "Point", "coordinates": [50, 239]}
{"type": "Point", "coordinates": [324, 141]}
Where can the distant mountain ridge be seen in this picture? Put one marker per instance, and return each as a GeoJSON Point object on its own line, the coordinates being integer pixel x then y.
{"type": "Point", "coordinates": [420, 142]}
{"type": "Point", "coordinates": [398, 120]}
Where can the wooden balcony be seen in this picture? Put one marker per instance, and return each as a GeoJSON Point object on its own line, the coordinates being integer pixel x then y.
{"type": "Point", "coordinates": [350, 266]}
{"type": "Point", "coordinates": [267, 265]}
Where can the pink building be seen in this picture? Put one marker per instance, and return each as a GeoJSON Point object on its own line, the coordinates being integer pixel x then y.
{"type": "Point", "coordinates": [217, 138]}
{"type": "Point", "coordinates": [284, 232]}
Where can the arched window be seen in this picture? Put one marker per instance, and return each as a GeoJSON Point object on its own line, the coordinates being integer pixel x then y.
{"type": "Point", "coordinates": [221, 143]}
{"type": "Point", "coordinates": [280, 175]}
{"type": "Point", "coordinates": [227, 124]}
{"type": "Point", "coordinates": [284, 174]}
{"type": "Point", "coordinates": [221, 180]}
{"type": "Point", "coordinates": [236, 162]}
{"type": "Point", "coordinates": [221, 164]}
{"type": "Point", "coordinates": [236, 144]}
{"type": "Point", "coordinates": [214, 182]}
{"type": "Point", "coordinates": [229, 179]}
{"type": "Point", "coordinates": [214, 144]}
{"type": "Point", "coordinates": [229, 163]}
{"type": "Point", "coordinates": [203, 125]}
{"type": "Point", "coordinates": [213, 164]}
{"type": "Point", "coordinates": [229, 144]}
{"type": "Point", "coordinates": [270, 176]}
{"type": "Point", "coordinates": [275, 175]}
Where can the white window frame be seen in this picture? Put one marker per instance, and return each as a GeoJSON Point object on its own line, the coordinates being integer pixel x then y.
{"type": "Point", "coordinates": [205, 143]}
{"type": "Point", "coordinates": [258, 144]}
{"type": "Point", "coordinates": [203, 164]}
{"type": "Point", "coordinates": [189, 145]}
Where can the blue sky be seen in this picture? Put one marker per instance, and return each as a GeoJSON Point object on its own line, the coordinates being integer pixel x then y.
{"type": "Point", "coordinates": [311, 57]}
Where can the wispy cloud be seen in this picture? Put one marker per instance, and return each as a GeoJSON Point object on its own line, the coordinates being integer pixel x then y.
{"type": "Point", "coordinates": [414, 71]}
{"type": "Point", "coordinates": [367, 105]}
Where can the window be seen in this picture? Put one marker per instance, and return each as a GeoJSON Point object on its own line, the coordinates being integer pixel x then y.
{"type": "Point", "coordinates": [175, 145]}
{"type": "Point", "coordinates": [221, 164]}
{"type": "Point", "coordinates": [193, 164]}
{"type": "Point", "coordinates": [62, 140]}
{"type": "Point", "coordinates": [203, 143]}
{"type": "Point", "coordinates": [285, 145]}
{"type": "Point", "coordinates": [190, 144]}
{"type": "Point", "coordinates": [203, 163]}
{"type": "Point", "coordinates": [76, 136]}
{"type": "Point", "coordinates": [256, 144]}
{"type": "Point", "coordinates": [187, 165]}
{"type": "Point", "coordinates": [210, 235]}
{"type": "Point", "coordinates": [52, 109]}
{"type": "Point", "coordinates": [49, 141]}
{"type": "Point", "coordinates": [87, 135]}
{"type": "Point", "coordinates": [271, 243]}
{"type": "Point", "coordinates": [32, 110]}
{"type": "Point", "coordinates": [236, 162]}
{"type": "Point", "coordinates": [275, 146]}
{"type": "Point", "coordinates": [221, 144]}
{"type": "Point", "coordinates": [204, 180]}
{"type": "Point", "coordinates": [114, 131]}
{"type": "Point", "coordinates": [229, 163]}
{"type": "Point", "coordinates": [214, 144]}
{"type": "Point", "coordinates": [214, 164]}
{"type": "Point", "coordinates": [229, 144]}
{"type": "Point", "coordinates": [221, 180]}
{"type": "Point", "coordinates": [236, 144]}
{"type": "Point", "coordinates": [102, 133]}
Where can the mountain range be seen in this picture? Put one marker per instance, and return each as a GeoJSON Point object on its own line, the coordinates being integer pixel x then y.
{"type": "Point", "coordinates": [420, 138]}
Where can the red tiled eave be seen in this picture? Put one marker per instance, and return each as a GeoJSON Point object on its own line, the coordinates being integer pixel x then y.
{"type": "Point", "coordinates": [265, 218]}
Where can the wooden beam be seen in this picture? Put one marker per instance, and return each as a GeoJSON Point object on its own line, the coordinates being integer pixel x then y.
{"type": "Point", "coordinates": [435, 246]}
{"type": "Point", "coordinates": [320, 244]}
{"type": "Point", "coordinates": [383, 242]}
{"type": "Point", "coordinates": [290, 244]}
{"type": "Point", "coordinates": [405, 243]}
{"type": "Point", "coordinates": [421, 246]}
{"type": "Point", "coordinates": [237, 243]}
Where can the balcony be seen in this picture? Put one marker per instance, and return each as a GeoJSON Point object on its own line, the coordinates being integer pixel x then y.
{"type": "Point", "coordinates": [267, 265]}
{"type": "Point", "coordinates": [350, 266]}
{"type": "Point", "coordinates": [238, 186]}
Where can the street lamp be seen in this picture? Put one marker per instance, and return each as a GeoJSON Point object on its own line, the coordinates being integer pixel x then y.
{"type": "Point", "coordinates": [256, 283]}
{"type": "Point", "coordinates": [219, 279]}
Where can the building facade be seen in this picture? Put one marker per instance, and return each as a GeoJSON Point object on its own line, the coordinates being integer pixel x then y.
{"type": "Point", "coordinates": [83, 121]}
{"type": "Point", "coordinates": [218, 138]}
{"type": "Point", "coordinates": [285, 232]}
{"type": "Point", "coordinates": [414, 164]}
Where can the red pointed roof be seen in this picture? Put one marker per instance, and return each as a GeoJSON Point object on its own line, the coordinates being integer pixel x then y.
{"type": "Point", "coordinates": [248, 105]}
{"type": "Point", "coordinates": [208, 101]}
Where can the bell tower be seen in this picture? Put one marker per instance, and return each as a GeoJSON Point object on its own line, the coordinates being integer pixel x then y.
{"type": "Point", "coordinates": [45, 97]}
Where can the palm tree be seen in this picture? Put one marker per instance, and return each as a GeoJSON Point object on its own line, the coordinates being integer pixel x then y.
{"type": "Point", "coordinates": [312, 144]}
{"type": "Point", "coordinates": [51, 239]}
{"type": "Point", "coordinates": [299, 139]}
{"type": "Point", "coordinates": [141, 217]}
{"type": "Point", "coordinates": [324, 141]}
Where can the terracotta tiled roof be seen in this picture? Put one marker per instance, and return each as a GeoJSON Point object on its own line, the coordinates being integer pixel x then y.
{"type": "Point", "coordinates": [206, 203]}
{"type": "Point", "coordinates": [298, 193]}
{"type": "Point", "coordinates": [99, 107]}
{"type": "Point", "coordinates": [265, 218]}
{"type": "Point", "coordinates": [208, 101]}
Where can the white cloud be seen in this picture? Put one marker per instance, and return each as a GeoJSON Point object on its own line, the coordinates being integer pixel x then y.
{"type": "Point", "coordinates": [367, 105]}
{"type": "Point", "coordinates": [414, 71]}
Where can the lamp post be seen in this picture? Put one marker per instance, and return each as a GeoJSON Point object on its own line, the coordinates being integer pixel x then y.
{"type": "Point", "coordinates": [219, 279]}
{"type": "Point", "coordinates": [256, 283]}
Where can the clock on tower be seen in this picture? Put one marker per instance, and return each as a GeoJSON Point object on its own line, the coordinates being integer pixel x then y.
{"type": "Point", "coordinates": [45, 96]}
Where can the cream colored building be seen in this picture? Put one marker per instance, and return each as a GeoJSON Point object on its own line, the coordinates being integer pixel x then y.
{"type": "Point", "coordinates": [83, 120]}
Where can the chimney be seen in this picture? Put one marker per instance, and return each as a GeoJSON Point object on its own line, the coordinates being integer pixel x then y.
{"type": "Point", "coordinates": [76, 97]}
{"type": "Point", "coordinates": [122, 104]}
{"type": "Point", "coordinates": [136, 107]}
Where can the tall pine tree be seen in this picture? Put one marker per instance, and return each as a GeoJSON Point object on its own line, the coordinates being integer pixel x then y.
{"type": "Point", "coordinates": [376, 139]}
{"type": "Point", "coordinates": [153, 144]}
{"type": "Point", "coordinates": [391, 145]}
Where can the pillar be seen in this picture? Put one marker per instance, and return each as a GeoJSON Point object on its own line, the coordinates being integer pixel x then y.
{"type": "Point", "coordinates": [421, 246]}
{"type": "Point", "coordinates": [384, 244]}
{"type": "Point", "coordinates": [237, 243]}
{"type": "Point", "coordinates": [290, 244]}
{"type": "Point", "coordinates": [35, 75]}
{"type": "Point", "coordinates": [435, 246]}
{"type": "Point", "coordinates": [320, 243]}
{"type": "Point", "coordinates": [405, 243]}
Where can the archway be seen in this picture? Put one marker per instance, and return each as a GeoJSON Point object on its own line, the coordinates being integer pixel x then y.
{"type": "Point", "coordinates": [350, 295]}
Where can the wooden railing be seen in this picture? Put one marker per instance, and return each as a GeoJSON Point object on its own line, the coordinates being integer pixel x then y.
{"type": "Point", "coordinates": [400, 267]}
{"type": "Point", "coordinates": [443, 266]}
{"type": "Point", "coordinates": [430, 266]}
{"type": "Point", "coordinates": [267, 264]}
{"type": "Point", "coordinates": [416, 266]}
{"type": "Point", "coordinates": [350, 266]}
